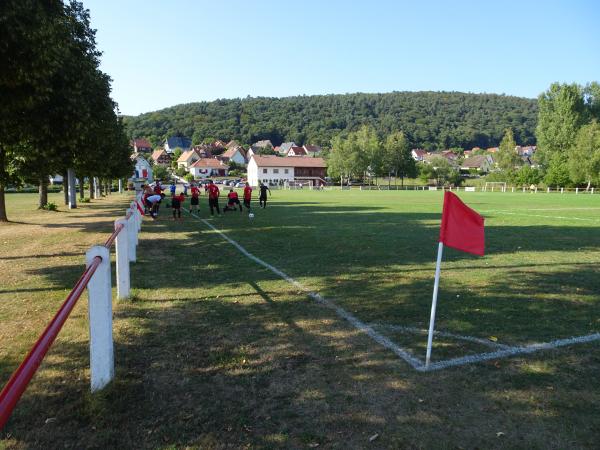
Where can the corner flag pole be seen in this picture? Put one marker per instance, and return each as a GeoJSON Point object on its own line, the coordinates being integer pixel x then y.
{"type": "Point", "coordinates": [434, 302]}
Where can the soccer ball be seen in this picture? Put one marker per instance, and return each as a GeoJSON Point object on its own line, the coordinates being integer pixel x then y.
{"type": "Point", "coordinates": [251, 216]}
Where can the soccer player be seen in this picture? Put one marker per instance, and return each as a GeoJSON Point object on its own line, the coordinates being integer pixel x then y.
{"type": "Point", "coordinates": [173, 187]}
{"type": "Point", "coordinates": [262, 200]}
{"type": "Point", "coordinates": [176, 202]}
{"type": "Point", "coordinates": [247, 196]}
{"type": "Point", "coordinates": [195, 198]}
{"type": "Point", "coordinates": [154, 201]}
{"type": "Point", "coordinates": [213, 198]}
{"type": "Point", "coordinates": [232, 200]}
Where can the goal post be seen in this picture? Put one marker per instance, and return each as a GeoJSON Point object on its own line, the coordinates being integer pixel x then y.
{"type": "Point", "coordinates": [495, 186]}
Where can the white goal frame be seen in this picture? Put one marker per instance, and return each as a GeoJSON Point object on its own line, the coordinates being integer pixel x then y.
{"type": "Point", "coordinates": [492, 184]}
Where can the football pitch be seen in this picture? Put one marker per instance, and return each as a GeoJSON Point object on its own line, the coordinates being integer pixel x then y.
{"type": "Point", "coordinates": [372, 254]}
{"type": "Point", "coordinates": [305, 327]}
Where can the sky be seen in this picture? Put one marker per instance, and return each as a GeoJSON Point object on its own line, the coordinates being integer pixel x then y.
{"type": "Point", "coordinates": [161, 53]}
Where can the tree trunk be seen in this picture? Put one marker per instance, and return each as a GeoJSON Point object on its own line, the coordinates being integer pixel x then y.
{"type": "Point", "coordinates": [389, 180]}
{"type": "Point", "coordinates": [66, 187]}
{"type": "Point", "coordinates": [587, 188]}
{"type": "Point", "coordinates": [402, 180]}
{"type": "Point", "coordinates": [43, 191]}
{"type": "Point", "coordinates": [3, 217]}
{"type": "Point", "coordinates": [91, 186]}
{"type": "Point", "coordinates": [81, 189]}
{"type": "Point", "coordinates": [396, 178]}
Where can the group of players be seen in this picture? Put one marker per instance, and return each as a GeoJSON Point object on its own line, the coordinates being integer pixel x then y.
{"type": "Point", "coordinates": [153, 197]}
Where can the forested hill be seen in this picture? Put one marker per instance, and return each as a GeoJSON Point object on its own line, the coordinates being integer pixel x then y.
{"type": "Point", "coordinates": [431, 120]}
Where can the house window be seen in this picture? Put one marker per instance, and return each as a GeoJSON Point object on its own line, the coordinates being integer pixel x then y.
{"type": "Point", "coordinates": [286, 171]}
{"type": "Point", "coordinates": [275, 170]}
{"type": "Point", "coordinates": [264, 170]}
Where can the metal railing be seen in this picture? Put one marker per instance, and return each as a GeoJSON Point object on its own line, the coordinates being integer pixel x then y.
{"type": "Point", "coordinates": [96, 278]}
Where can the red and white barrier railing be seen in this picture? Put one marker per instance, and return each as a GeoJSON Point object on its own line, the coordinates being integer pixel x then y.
{"type": "Point", "coordinates": [97, 279]}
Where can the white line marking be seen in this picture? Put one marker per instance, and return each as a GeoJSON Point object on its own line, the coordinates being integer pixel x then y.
{"type": "Point", "coordinates": [416, 363]}
{"type": "Point", "coordinates": [341, 312]}
{"type": "Point", "coordinates": [471, 359]}
{"type": "Point", "coordinates": [473, 339]}
{"type": "Point", "coordinates": [537, 215]}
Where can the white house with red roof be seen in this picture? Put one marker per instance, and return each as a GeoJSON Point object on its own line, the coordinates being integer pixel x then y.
{"type": "Point", "coordinates": [272, 169]}
{"type": "Point", "coordinates": [161, 157]}
{"type": "Point", "coordinates": [235, 154]}
{"type": "Point", "coordinates": [209, 167]}
{"type": "Point", "coordinates": [187, 159]}
{"type": "Point", "coordinates": [312, 150]}
{"type": "Point", "coordinates": [296, 151]}
{"type": "Point", "coordinates": [418, 154]}
{"type": "Point", "coordinates": [141, 146]}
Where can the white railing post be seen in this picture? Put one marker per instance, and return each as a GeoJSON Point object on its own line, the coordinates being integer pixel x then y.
{"type": "Point", "coordinates": [548, 190]}
{"type": "Point", "coordinates": [562, 190]}
{"type": "Point", "coordinates": [102, 365]}
{"type": "Point", "coordinates": [122, 248]}
{"type": "Point", "coordinates": [120, 185]}
{"type": "Point", "coordinates": [132, 231]}
{"type": "Point", "coordinates": [72, 189]}
{"type": "Point", "coordinates": [577, 190]}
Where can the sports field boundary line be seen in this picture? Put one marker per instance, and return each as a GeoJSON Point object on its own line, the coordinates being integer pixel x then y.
{"type": "Point", "coordinates": [521, 350]}
{"type": "Point", "coordinates": [413, 361]}
{"type": "Point", "coordinates": [460, 337]}
{"type": "Point", "coordinates": [341, 312]}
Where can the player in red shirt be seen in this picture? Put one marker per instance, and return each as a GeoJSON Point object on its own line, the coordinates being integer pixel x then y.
{"type": "Point", "coordinates": [195, 198]}
{"type": "Point", "coordinates": [213, 198]}
{"type": "Point", "coordinates": [232, 200]}
{"type": "Point", "coordinates": [247, 196]}
{"type": "Point", "coordinates": [176, 202]}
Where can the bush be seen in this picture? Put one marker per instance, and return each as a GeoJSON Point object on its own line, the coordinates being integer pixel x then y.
{"type": "Point", "coordinates": [85, 200]}
{"type": "Point", "coordinates": [50, 206]}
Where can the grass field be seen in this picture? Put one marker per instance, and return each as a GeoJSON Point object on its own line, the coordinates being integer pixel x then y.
{"type": "Point", "coordinates": [215, 351]}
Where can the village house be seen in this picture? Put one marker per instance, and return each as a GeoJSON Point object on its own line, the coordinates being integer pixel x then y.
{"type": "Point", "coordinates": [275, 170]}
{"type": "Point", "coordinates": [141, 146]}
{"type": "Point", "coordinates": [480, 163]}
{"type": "Point", "coordinates": [284, 148]}
{"type": "Point", "coordinates": [177, 142]}
{"type": "Point", "coordinates": [447, 155]}
{"type": "Point", "coordinates": [161, 158]}
{"type": "Point", "coordinates": [142, 169]}
{"type": "Point", "coordinates": [187, 159]}
{"type": "Point", "coordinates": [232, 143]}
{"type": "Point", "coordinates": [296, 151]}
{"type": "Point", "coordinates": [234, 154]}
{"type": "Point", "coordinates": [203, 150]}
{"type": "Point", "coordinates": [312, 150]}
{"type": "Point", "coordinates": [209, 167]}
{"type": "Point", "coordinates": [418, 154]}
{"type": "Point", "coordinates": [263, 144]}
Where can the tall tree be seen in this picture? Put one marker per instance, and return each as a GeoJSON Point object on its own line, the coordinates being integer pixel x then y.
{"type": "Point", "coordinates": [584, 156]}
{"type": "Point", "coordinates": [561, 114]}
{"type": "Point", "coordinates": [507, 157]}
{"type": "Point", "coordinates": [371, 151]}
{"type": "Point", "coordinates": [397, 157]}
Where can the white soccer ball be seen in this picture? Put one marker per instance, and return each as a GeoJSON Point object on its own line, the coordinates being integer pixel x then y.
{"type": "Point", "coordinates": [251, 216]}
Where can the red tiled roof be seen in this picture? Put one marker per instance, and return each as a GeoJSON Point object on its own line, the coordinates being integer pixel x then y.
{"type": "Point", "coordinates": [290, 161]}
{"type": "Point", "coordinates": [312, 148]}
{"type": "Point", "coordinates": [158, 153]}
{"type": "Point", "coordinates": [298, 151]}
{"type": "Point", "coordinates": [142, 143]}
{"type": "Point", "coordinates": [210, 162]}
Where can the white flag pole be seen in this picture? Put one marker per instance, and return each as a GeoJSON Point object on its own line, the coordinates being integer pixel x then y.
{"type": "Point", "coordinates": [434, 302]}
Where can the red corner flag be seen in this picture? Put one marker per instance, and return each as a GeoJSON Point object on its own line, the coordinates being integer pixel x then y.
{"type": "Point", "coordinates": [462, 228]}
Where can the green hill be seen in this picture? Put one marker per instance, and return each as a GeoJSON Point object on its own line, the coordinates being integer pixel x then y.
{"type": "Point", "coordinates": [431, 120]}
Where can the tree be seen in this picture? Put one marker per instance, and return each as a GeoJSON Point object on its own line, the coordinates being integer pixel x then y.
{"type": "Point", "coordinates": [160, 172]}
{"type": "Point", "coordinates": [440, 169]}
{"type": "Point", "coordinates": [397, 157]}
{"type": "Point", "coordinates": [557, 173]}
{"type": "Point", "coordinates": [507, 157]}
{"type": "Point", "coordinates": [344, 158]}
{"type": "Point", "coordinates": [176, 154]}
{"type": "Point", "coordinates": [527, 175]}
{"type": "Point", "coordinates": [561, 114]}
{"type": "Point", "coordinates": [371, 151]}
{"type": "Point", "coordinates": [584, 156]}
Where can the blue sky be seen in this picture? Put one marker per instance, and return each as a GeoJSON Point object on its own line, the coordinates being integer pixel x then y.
{"type": "Point", "coordinates": [162, 53]}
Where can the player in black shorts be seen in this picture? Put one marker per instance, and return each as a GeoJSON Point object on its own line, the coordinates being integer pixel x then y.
{"type": "Point", "coordinates": [262, 199]}
{"type": "Point", "coordinates": [176, 202]}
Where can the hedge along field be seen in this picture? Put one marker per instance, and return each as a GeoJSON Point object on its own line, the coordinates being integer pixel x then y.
{"type": "Point", "coordinates": [216, 351]}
